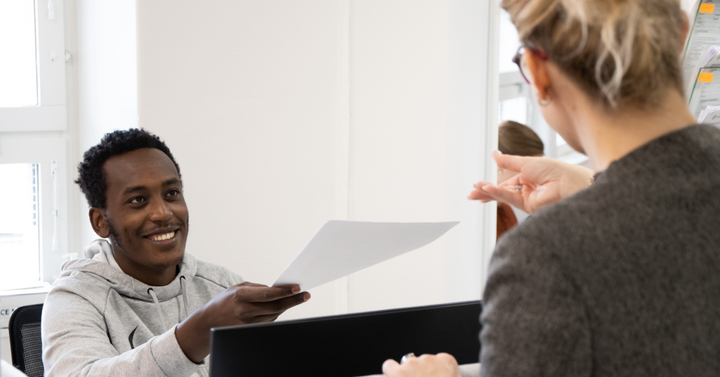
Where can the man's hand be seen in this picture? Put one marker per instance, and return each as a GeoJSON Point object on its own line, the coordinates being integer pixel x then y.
{"type": "Point", "coordinates": [544, 181]}
{"type": "Point", "coordinates": [240, 304]}
{"type": "Point", "coordinates": [442, 365]}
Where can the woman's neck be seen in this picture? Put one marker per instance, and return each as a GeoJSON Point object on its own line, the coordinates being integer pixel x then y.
{"type": "Point", "coordinates": [608, 137]}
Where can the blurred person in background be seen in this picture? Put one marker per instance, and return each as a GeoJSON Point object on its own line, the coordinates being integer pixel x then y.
{"type": "Point", "coordinates": [519, 140]}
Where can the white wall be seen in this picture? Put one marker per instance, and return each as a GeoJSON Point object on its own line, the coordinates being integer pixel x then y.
{"type": "Point", "coordinates": [284, 114]}
{"type": "Point", "coordinates": [417, 103]}
{"type": "Point", "coordinates": [102, 82]}
{"type": "Point", "coordinates": [246, 95]}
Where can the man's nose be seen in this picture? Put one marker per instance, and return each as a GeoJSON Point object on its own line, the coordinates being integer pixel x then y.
{"type": "Point", "coordinates": [160, 210]}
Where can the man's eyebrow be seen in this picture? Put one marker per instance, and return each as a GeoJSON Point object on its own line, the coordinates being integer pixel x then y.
{"type": "Point", "coordinates": [168, 182]}
{"type": "Point", "coordinates": [133, 189]}
{"type": "Point", "coordinates": [172, 181]}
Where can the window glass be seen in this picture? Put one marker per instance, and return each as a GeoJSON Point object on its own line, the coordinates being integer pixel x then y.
{"type": "Point", "coordinates": [18, 67]}
{"type": "Point", "coordinates": [19, 225]}
{"type": "Point", "coordinates": [514, 109]}
{"type": "Point", "coordinates": [559, 141]}
{"type": "Point", "coordinates": [509, 44]}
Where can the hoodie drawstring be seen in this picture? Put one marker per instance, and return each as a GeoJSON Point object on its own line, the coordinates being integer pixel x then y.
{"type": "Point", "coordinates": [157, 304]}
{"type": "Point", "coordinates": [184, 295]}
{"type": "Point", "coordinates": [152, 294]}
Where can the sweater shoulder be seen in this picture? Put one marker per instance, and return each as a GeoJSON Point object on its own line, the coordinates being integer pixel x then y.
{"type": "Point", "coordinates": [552, 229]}
{"type": "Point", "coordinates": [217, 275]}
{"type": "Point", "coordinates": [84, 285]}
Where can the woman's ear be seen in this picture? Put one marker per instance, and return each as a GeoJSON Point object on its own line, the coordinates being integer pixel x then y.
{"type": "Point", "coordinates": [540, 79]}
{"type": "Point", "coordinates": [99, 223]}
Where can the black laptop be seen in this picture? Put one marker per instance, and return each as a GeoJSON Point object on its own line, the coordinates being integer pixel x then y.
{"type": "Point", "coordinates": [345, 345]}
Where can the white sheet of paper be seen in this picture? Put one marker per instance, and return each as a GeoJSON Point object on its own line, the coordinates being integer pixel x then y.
{"type": "Point", "coordinates": [340, 248]}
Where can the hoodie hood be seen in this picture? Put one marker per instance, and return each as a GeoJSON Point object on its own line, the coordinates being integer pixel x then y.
{"type": "Point", "coordinates": [99, 321]}
{"type": "Point", "coordinates": [99, 262]}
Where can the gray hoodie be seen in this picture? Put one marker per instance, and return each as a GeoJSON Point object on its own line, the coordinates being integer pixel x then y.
{"type": "Point", "coordinates": [98, 321]}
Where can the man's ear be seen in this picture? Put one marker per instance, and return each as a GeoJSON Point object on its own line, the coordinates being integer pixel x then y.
{"type": "Point", "coordinates": [99, 225]}
{"type": "Point", "coordinates": [540, 79]}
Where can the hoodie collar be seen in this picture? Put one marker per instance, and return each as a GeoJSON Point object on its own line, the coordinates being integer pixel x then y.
{"type": "Point", "coordinates": [99, 261]}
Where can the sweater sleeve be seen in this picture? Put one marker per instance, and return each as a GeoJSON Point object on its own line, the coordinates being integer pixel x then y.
{"type": "Point", "coordinates": [533, 319]}
{"type": "Point", "coordinates": [76, 343]}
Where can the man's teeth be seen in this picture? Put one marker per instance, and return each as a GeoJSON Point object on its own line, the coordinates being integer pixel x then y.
{"type": "Point", "coordinates": [162, 237]}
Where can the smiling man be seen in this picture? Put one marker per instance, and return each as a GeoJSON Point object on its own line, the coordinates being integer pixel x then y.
{"type": "Point", "coordinates": [138, 304]}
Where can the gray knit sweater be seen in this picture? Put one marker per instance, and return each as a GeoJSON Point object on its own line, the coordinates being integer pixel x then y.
{"type": "Point", "coordinates": [621, 279]}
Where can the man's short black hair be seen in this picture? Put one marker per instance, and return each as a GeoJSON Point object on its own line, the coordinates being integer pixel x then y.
{"type": "Point", "coordinates": [91, 178]}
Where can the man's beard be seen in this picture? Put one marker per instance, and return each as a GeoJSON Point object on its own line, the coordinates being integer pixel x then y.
{"type": "Point", "coordinates": [115, 240]}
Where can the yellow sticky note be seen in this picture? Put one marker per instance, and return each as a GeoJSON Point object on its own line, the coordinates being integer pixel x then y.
{"type": "Point", "coordinates": [707, 8]}
{"type": "Point", "coordinates": [705, 77]}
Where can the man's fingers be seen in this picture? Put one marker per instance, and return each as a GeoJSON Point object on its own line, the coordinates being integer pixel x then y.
{"type": "Point", "coordinates": [281, 305]}
{"type": "Point", "coordinates": [269, 311]}
{"type": "Point", "coordinates": [249, 284]}
{"type": "Point", "coordinates": [277, 307]}
{"type": "Point", "coordinates": [266, 318]}
{"type": "Point", "coordinates": [259, 293]}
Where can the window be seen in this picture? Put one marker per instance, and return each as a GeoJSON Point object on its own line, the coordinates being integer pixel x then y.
{"type": "Point", "coordinates": [514, 97]}
{"type": "Point", "coordinates": [33, 220]}
{"type": "Point", "coordinates": [32, 68]}
{"type": "Point", "coordinates": [18, 68]}
{"type": "Point", "coordinates": [19, 225]}
{"type": "Point", "coordinates": [514, 91]}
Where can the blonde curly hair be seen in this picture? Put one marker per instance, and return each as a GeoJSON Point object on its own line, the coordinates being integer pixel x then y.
{"type": "Point", "coordinates": [620, 52]}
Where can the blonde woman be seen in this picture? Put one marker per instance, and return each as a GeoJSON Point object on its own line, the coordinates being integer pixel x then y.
{"type": "Point", "coordinates": [623, 277]}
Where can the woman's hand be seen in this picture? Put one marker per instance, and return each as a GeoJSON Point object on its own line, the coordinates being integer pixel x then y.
{"type": "Point", "coordinates": [440, 365]}
{"type": "Point", "coordinates": [542, 181]}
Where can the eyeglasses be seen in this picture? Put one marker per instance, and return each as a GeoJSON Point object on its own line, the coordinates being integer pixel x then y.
{"type": "Point", "coordinates": [518, 59]}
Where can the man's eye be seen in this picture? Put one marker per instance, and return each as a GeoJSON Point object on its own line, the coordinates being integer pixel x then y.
{"type": "Point", "coordinates": [173, 193]}
{"type": "Point", "coordinates": [137, 200]}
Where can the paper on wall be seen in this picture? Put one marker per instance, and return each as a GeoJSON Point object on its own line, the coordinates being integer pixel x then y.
{"type": "Point", "coordinates": [340, 248]}
{"type": "Point", "coordinates": [706, 91]}
{"type": "Point", "coordinates": [703, 32]}
{"type": "Point", "coordinates": [710, 57]}
{"type": "Point", "coordinates": [711, 115]}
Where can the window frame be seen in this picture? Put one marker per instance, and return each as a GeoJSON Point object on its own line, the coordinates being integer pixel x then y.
{"type": "Point", "coordinates": [512, 85]}
{"type": "Point", "coordinates": [50, 154]}
{"type": "Point", "coordinates": [50, 113]}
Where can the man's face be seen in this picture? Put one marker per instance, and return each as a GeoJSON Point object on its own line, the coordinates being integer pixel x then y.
{"type": "Point", "coordinates": [146, 216]}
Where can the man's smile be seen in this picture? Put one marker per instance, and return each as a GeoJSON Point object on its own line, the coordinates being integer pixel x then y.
{"type": "Point", "coordinates": [164, 236]}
